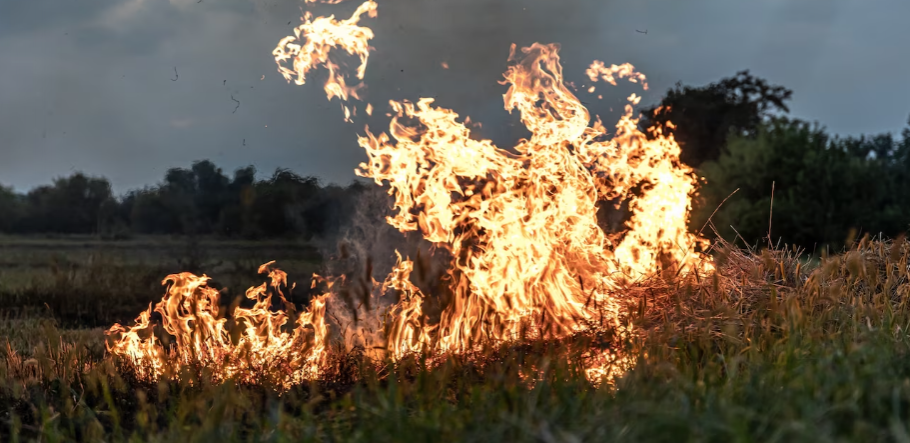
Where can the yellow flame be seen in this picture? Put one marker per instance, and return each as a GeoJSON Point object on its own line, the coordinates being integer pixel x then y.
{"type": "Point", "coordinates": [529, 259]}
{"type": "Point", "coordinates": [321, 35]}
{"type": "Point", "coordinates": [523, 227]}
{"type": "Point", "coordinates": [257, 345]}
{"type": "Point", "coordinates": [599, 71]}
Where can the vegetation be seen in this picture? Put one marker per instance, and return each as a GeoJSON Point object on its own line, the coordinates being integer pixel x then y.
{"type": "Point", "coordinates": [778, 345]}
{"type": "Point", "coordinates": [827, 190]}
{"type": "Point", "coordinates": [769, 349]}
{"type": "Point", "coordinates": [84, 282]}
{"type": "Point", "coordinates": [196, 201]}
{"type": "Point", "coordinates": [823, 188]}
{"type": "Point", "coordinates": [705, 116]}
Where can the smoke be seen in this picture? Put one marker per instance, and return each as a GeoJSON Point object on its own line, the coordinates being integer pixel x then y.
{"type": "Point", "coordinates": [364, 237]}
{"type": "Point", "coordinates": [459, 61]}
{"type": "Point", "coordinates": [360, 257]}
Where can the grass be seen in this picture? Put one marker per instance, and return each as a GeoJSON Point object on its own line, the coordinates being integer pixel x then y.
{"type": "Point", "coordinates": [82, 282]}
{"type": "Point", "coordinates": [768, 349]}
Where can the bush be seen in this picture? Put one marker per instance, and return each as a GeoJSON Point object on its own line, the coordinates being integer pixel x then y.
{"type": "Point", "coordinates": [823, 188]}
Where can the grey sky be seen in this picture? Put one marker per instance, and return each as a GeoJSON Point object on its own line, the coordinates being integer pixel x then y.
{"type": "Point", "coordinates": [86, 85]}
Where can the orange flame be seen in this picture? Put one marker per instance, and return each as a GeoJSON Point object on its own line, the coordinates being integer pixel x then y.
{"type": "Point", "coordinates": [529, 259]}
{"type": "Point", "coordinates": [598, 71]}
{"type": "Point", "coordinates": [523, 227]}
{"type": "Point", "coordinates": [322, 34]}
{"type": "Point", "coordinates": [258, 344]}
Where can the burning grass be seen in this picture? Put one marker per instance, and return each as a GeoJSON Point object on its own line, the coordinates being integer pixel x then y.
{"type": "Point", "coordinates": [767, 348]}
{"type": "Point", "coordinates": [544, 327]}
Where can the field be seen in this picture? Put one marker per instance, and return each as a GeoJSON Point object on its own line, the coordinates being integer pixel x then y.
{"type": "Point", "coordinates": [770, 349]}
{"type": "Point", "coordinates": [82, 282]}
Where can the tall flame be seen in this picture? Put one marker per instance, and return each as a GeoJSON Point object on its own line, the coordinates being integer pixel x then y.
{"type": "Point", "coordinates": [522, 228]}
{"type": "Point", "coordinates": [528, 256]}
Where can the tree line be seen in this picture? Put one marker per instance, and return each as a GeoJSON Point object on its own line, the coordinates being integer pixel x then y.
{"type": "Point", "coordinates": [768, 176]}
{"type": "Point", "coordinates": [735, 133]}
{"type": "Point", "coordinates": [200, 200]}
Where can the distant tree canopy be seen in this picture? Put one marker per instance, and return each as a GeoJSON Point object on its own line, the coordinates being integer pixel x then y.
{"type": "Point", "coordinates": [732, 132]}
{"type": "Point", "coordinates": [72, 205]}
{"type": "Point", "coordinates": [200, 200]}
{"type": "Point", "coordinates": [824, 187]}
{"type": "Point", "coordinates": [735, 134]}
{"type": "Point", "coordinates": [704, 116]}
{"type": "Point", "coordinates": [11, 207]}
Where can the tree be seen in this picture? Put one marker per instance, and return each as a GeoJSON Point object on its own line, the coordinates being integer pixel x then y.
{"type": "Point", "coordinates": [150, 214]}
{"type": "Point", "coordinates": [211, 193]}
{"type": "Point", "coordinates": [823, 187]}
{"type": "Point", "coordinates": [72, 205]}
{"type": "Point", "coordinates": [330, 209]}
{"type": "Point", "coordinates": [195, 197]}
{"type": "Point", "coordinates": [11, 209]}
{"type": "Point", "coordinates": [703, 117]}
{"type": "Point", "coordinates": [236, 217]}
{"type": "Point", "coordinates": [279, 202]}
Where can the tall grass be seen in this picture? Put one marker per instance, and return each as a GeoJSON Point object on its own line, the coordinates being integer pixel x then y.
{"type": "Point", "coordinates": [766, 349]}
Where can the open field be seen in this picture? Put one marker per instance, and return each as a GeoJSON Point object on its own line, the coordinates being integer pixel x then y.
{"type": "Point", "coordinates": [769, 350]}
{"type": "Point", "coordinates": [82, 282]}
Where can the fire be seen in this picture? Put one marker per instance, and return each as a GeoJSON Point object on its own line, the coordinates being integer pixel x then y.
{"type": "Point", "coordinates": [257, 344]}
{"type": "Point", "coordinates": [529, 259]}
{"type": "Point", "coordinates": [322, 35]}
{"type": "Point", "coordinates": [522, 226]}
{"type": "Point", "coordinates": [599, 71]}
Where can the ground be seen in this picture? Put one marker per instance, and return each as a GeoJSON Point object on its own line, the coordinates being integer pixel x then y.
{"type": "Point", "coordinates": [769, 349]}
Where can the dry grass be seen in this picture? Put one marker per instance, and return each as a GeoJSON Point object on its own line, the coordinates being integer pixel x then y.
{"type": "Point", "coordinates": [767, 348]}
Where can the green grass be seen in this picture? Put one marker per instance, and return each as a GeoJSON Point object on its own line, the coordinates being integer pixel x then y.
{"type": "Point", "coordinates": [768, 350]}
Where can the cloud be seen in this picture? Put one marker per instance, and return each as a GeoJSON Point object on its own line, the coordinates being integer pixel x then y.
{"type": "Point", "coordinates": [120, 14]}
{"type": "Point", "coordinates": [88, 85]}
{"type": "Point", "coordinates": [181, 122]}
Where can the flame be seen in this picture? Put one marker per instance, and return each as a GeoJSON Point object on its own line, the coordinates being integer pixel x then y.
{"type": "Point", "coordinates": [258, 344]}
{"type": "Point", "coordinates": [322, 34]}
{"type": "Point", "coordinates": [529, 259]}
{"type": "Point", "coordinates": [522, 226]}
{"type": "Point", "coordinates": [598, 71]}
